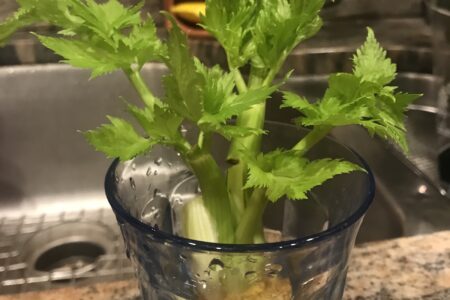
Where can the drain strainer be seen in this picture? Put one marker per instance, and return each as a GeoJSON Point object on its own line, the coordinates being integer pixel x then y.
{"type": "Point", "coordinates": [69, 249]}
{"type": "Point", "coordinates": [73, 257]}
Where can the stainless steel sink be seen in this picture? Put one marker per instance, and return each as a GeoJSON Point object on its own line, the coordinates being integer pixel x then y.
{"type": "Point", "coordinates": [55, 223]}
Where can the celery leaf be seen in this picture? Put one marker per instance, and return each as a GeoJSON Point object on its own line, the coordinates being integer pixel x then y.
{"type": "Point", "coordinates": [162, 125]}
{"type": "Point", "coordinates": [112, 35]}
{"type": "Point", "coordinates": [184, 83]}
{"type": "Point", "coordinates": [23, 17]}
{"type": "Point", "coordinates": [281, 26]}
{"type": "Point", "coordinates": [362, 98]}
{"type": "Point", "coordinates": [286, 173]}
{"type": "Point", "coordinates": [205, 95]}
{"type": "Point", "coordinates": [231, 22]}
{"type": "Point", "coordinates": [82, 54]}
{"type": "Point", "coordinates": [118, 139]}
{"type": "Point", "coordinates": [371, 64]}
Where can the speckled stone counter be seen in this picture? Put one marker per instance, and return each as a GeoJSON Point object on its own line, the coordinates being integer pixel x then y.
{"type": "Point", "coordinates": [408, 269]}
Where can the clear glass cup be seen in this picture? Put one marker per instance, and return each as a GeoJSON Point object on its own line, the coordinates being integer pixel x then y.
{"type": "Point", "coordinates": [311, 240]}
{"type": "Point", "coordinates": [439, 17]}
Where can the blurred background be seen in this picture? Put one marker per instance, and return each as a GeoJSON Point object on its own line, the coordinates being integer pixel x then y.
{"type": "Point", "coordinates": [56, 227]}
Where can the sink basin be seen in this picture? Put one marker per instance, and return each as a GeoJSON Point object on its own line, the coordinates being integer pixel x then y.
{"type": "Point", "coordinates": [55, 223]}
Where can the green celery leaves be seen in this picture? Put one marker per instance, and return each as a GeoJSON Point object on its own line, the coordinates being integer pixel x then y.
{"type": "Point", "coordinates": [204, 95]}
{"type": "Point", "coordinates": [98, 36]}
{"type": "Point", "coordinates": [118, 139]}
{"type": "Point", "coordinates": [281, 26]}
{"type": "Point", "coordinates": [287, 173]}
{"type": "Point", "coordinates": [371, 64]}
{"type": "Point", "coordinates": [261, 31]}
{"type": "Point", "coordinates": [362, 98]}
{"type": "Point", "coordinates": [231, 22]}
{"type": "Point", "coordinates": [162, 126]}
{"type": "Point", "coordinates": [23, 17]}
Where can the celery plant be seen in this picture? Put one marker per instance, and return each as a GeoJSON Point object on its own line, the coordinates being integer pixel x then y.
{"type": "Point", "coordinates": [257, 35]}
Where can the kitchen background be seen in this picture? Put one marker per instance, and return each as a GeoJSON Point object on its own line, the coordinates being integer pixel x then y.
{"type": "Point", "coordinates": [41, 251]}
{"type": "Point", "coordinates": [398, 22]}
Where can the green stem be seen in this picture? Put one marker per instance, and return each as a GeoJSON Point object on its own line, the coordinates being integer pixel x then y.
{"type": "Point", "coordinates": [235, 180]}
{"type": "Point", "coordinates": [204, 141]}
{"type": "Point", "coordinates": [312, 138]}
{"type": "Point", "coordinates": [246, 230]}
{"type": "Point", "coordinates": [141, 87]}
{"type": "Point", "coordinates": [274, 71]}
{"type": "Point", "coordinates": [236, 173]}
{"type": "Point", "coordinates": [258, 237]}
{"type": "Point", "coordinates": [239, 80]}
{"type": "Point", "coordinates": [253, 118]}
{"type": "Point", "coordinates": [214, 193]}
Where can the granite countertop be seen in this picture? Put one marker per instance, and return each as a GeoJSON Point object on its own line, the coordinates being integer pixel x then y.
{"type": "Point", "coordinates": [411, 268]}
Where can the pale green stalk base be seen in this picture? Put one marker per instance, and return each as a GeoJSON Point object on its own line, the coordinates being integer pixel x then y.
{"type": "Point", "coordinates": [198, 224]}
{"type": "Point", "coordinates": [214, 193]}
{"type": "Point", "coordinates": [247, 230]}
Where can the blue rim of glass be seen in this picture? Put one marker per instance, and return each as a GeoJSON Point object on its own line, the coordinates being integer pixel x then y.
{"type": "Point", "coordinates": [164, 237]}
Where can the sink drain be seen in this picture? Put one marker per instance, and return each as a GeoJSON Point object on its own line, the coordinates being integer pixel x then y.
{"type": "Point", "coordinates": [67, 251]}
{"type": "Point", "coordinates": [72, 257]}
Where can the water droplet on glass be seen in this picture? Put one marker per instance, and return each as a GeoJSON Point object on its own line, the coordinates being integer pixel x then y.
{"type": "Point", "coordinates": [273, 269]}
{"type": "Point", "coordinates": [161, 195]}
{"type": "Point", "coordinates": [189, 283]}
{"type": "Point", "coordinates": [177, 200]}
{"type": "Point", "coordinates": [216, 265]}
{"type": "Point", "coordinates": [158, 161]}
{"type": "Point", "coordinates": [155, 172]}
{"type": "Point", "coordinates": [149, 188]}
{"type": "Point", "coordinates": [187, 173]}
{"type": "Point", "coordinates": [203, 284]}
{"type": "Point", "coordinates": [250, 275]}
{"type": "Point", "coordinates": [149, 171]}
{"type": "Point", "coordinates": [117, 179]}
{"type": "Point", "coordinates": [150, 213]}
{"type": "Point", "coordinates": [197, 275]}
{"type": "Point", "coordinates": [252, 259]}
{"type": "Point", "coordinates": [183, 257]}
{"type": "Point", "coordinates": [132, 183]}
{"type": "Point", "coordinates": [199, 190]}
{"type": "Point", "coordinates": [223, 275]}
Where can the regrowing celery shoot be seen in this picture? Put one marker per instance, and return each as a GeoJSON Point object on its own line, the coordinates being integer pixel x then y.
{"type": "Point", "coordinates": [258, 36]}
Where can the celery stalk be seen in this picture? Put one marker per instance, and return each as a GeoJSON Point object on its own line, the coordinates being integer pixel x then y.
{"type": "Point", "coordinates": [215, 195]}
{"type": "Point", "coordinates": [198, 223]}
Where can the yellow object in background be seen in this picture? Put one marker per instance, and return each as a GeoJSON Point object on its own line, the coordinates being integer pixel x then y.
{"type": "Point", "coordinates": [189, 11]}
